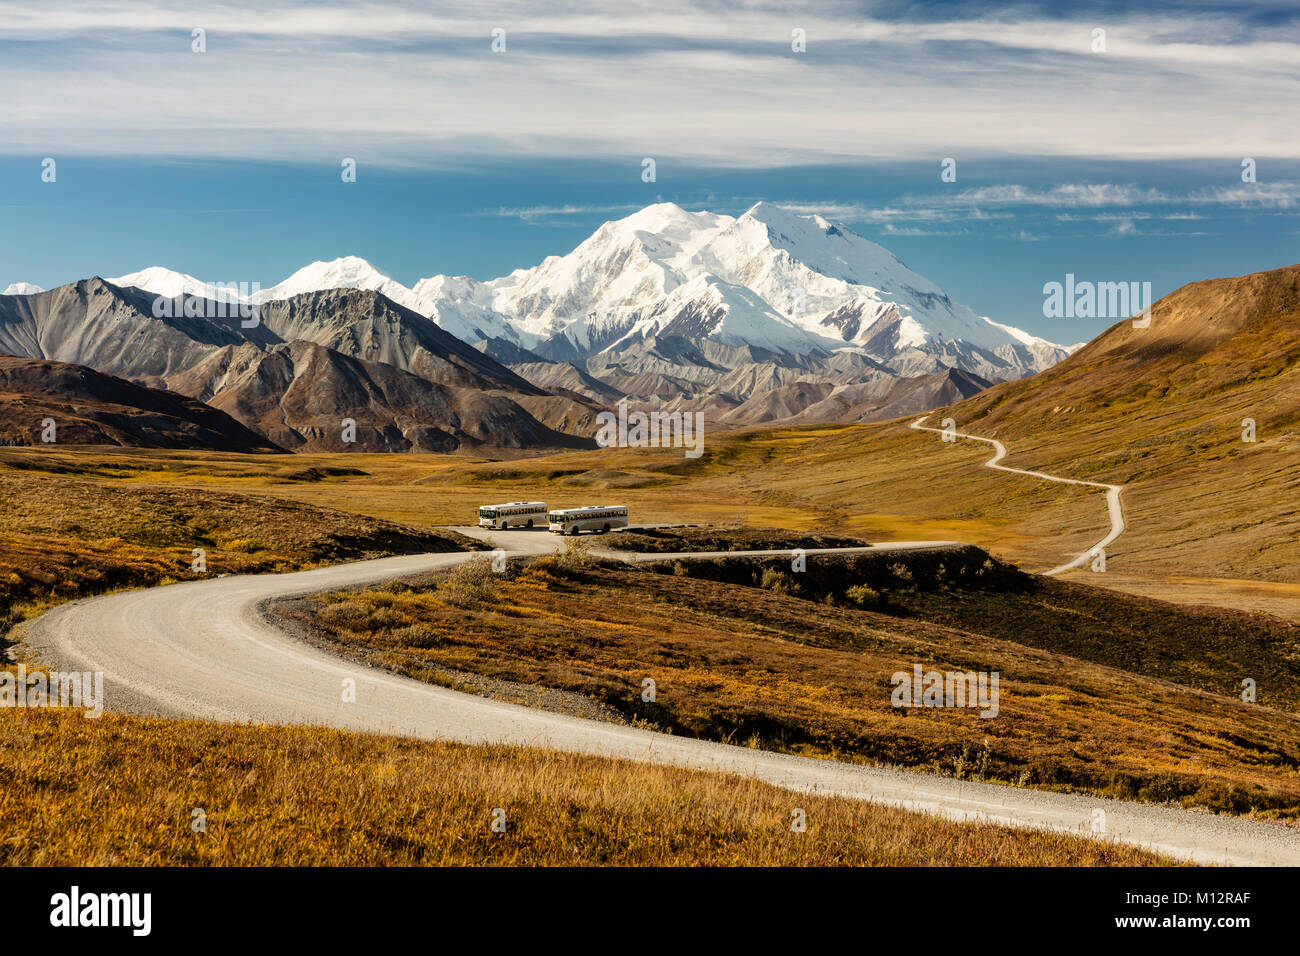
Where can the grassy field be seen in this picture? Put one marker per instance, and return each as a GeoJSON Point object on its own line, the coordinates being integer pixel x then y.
{"type": "Point", "coordinates": [1103, 693]}
{"type": "Point", "coordinates": [1197, 533]}
{"type": "Point", "coordinates": [123, 791]}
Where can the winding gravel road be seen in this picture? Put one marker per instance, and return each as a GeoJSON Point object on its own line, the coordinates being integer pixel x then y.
{"type": "Point", "coordinates": [1117, 526]}
{"type": "Point", "coordinates": [205, 649]}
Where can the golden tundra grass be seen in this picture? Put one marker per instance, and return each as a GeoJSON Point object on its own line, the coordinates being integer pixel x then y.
{"type": "Point", "coordinates": [1092, 707]}
{"type": "Point", "coordinates": [122, 791]}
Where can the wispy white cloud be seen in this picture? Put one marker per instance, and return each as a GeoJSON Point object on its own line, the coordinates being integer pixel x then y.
{"type": "Point", "coordinates": [1033, 214]}
{"type": "Point", "coordinates": [1101, 216]}
{"type": "Point", "coordinates": [917, 231]}
{"type": "Point", "coordinates": [1279, 195]}
{"type": "Point", "coordinates": [1085, 202]}
{"type": "Point", "coordinates": [1077, 195]}
{"type": "Point", "coordinates": [1065, 195]}
{"type": "Point", "coordinates": [905, 209]}
{"type": "Point", "coordinates": [549, 212]}
{"type": "Point", "coordinates": [416, 83]}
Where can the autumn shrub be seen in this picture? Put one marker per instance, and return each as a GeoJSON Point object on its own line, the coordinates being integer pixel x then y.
{"type": "Point", "coordinates": [469, 584]}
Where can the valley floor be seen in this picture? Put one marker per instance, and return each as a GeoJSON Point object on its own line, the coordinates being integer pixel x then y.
{"type": "Point", "coordinates": [81, 521]}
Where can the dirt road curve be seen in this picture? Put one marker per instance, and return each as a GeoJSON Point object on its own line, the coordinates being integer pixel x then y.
{"type": "Point", "coordinates": [1116, 511]}
{"type": "Point", "coordinates": [204, 649]}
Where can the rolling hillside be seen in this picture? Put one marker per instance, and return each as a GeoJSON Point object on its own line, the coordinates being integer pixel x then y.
{"type": "Point", "coordinates": [1163, 410]}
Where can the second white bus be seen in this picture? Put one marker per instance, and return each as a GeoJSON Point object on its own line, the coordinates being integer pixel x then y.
{"type": "Point", "coordinates": [591, 518]}
{"type": "Point", "coordinates": [514, 514]}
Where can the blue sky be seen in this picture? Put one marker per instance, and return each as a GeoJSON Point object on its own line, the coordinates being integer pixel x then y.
{"type": "Point", "coordinates": [1114, 164]}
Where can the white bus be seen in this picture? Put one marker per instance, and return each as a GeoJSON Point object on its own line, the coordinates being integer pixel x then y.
{"type": "Point", "coordinates": [590, 518]}
{"type": "Point", "coordinates": [514, 514]}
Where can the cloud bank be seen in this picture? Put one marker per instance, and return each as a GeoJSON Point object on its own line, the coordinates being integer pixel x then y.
{"type": "Point", "coordinates": [698, 82]}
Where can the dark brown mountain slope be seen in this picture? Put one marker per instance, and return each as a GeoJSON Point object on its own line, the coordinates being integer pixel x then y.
{"type": "Point", "coordinates": [300, 393]}
{"type": "Point", "coordinates": [89, 408]}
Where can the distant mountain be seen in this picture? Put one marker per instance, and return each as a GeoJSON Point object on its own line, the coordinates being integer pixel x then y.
{"type": "Point", "coordinates": [768, 278]}
{"type": "Point", "coordinates": [22, 288]}
{"type": "Point", "coordinates": [566, 375]}
{"type": "Point", "coordinates": [450, 303]}
{"type": "Point", "coordinates": [89, 408]}
{"type": "Point", "coordinates": [369, 325]}
{"type": "Point", "coordinates": [707, 307]}
{"type": "Point", "coordinates": [873, 402]}
{"type": "Point", "coordinates": [312, 361]}
{"type": "Point", "coordinates": [112, 330]}
{"type": "Point", "coordinates": [463, 307]}
{"type": "Point", "coordinates": [346, 273]}
{"type": "Point", "coordinates": [165, 282]}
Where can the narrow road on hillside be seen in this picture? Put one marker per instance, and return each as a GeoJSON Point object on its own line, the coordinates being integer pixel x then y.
{"type": "Point", "coordinates": [205, 649]}
{"type": "Point", "coordinates": [1117, 525]}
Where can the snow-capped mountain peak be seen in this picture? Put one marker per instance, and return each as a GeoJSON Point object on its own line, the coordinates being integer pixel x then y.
{"type": "Point", "coordinates": [668, 231]}
{"type": "Point", "coordinates": [460, 305]}
{"type": "Point", "coordinates": [21, 288]}
{"type": "Point", "coordinates": [162, 281]}
{"type": "Point", "coordinates": [824, 274]}
{"type": "Point", "coordinates": [592, 294]}
{"type": "Point", "coordinates": [348, 272]}
{"type": "Point", "coordinates": [806, 271]}
{"type": "Point", "coordinates": [708, 307]}
{"type": "Point", "coordinates": [783, 219]}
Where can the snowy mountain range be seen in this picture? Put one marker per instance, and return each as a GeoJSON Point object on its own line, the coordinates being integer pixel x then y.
{"type": "Point", "coordinates": [764, 317]}
{"type": "Point", "coordinates": [789, 284]}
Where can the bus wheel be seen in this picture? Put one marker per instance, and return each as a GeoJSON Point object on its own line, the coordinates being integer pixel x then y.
{"type": "Point", "coordinates": [573, 531]}
{"type": "Point", "coordinates": [504, 525]}
{"type": "Point", "coordinates": [604, 529]}
{"type": "Point", "coordinates": [529, 524]}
